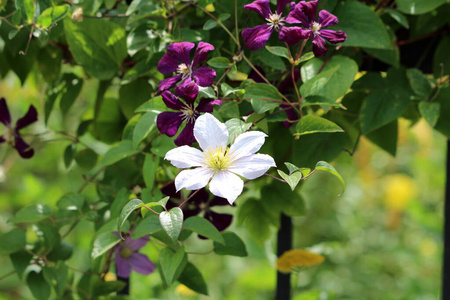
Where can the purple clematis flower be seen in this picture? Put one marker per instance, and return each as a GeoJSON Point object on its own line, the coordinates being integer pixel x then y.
{"type": "Point", "coordinates": [11, 135]}
{"type": "Point", "coordinates": [127, 257]}
{"type": "Point", "coordinates": [198, 203]}
{"type": "Point", "coordinates": [255, 38]}
{"type": "Point", "coordinates": [168, 122]}
{"type": "Point", "coordinates": [177, 59]}
{"type": "Point", "coordinates": [305, 13]}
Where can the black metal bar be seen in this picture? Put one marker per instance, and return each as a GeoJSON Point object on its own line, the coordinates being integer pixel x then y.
{"type": "Point", "coordinates": [446, 265]}
{"type": "Point", "coordinates": [284, 243]}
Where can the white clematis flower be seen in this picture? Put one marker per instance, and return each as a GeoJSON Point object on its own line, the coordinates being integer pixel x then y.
{"type": "Point", "coordinates": [218, 164]}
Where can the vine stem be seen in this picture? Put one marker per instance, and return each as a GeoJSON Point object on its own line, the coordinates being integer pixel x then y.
{"type": "Point", "coordinates": [7, 275]}
{"type": "Point", "coordinates": [188, 198]}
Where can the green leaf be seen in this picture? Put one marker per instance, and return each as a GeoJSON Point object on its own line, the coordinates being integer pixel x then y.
{"type": "Point", "coordinates": [277, 198]}
{"type": "Point", "coordinates": [203, 227]}
{"type": "Point", "coordinates": [279, 51]}
{"type": "Point", "coordinates": [319, 100]}
{"type": "Point", "coordinates": [161, 145]}
{"type": "Point", "coordinates": [363, 26]}
{"type": "Point", "coordinates": [31, 213]}
{"type": "Point", "coordinates": [233, 245]}
{"type": "Point", "coordinates": [12, 241]}
{"type": "Point", "coordinates": [134, 94]}
{"type": "Point", "coordinates": [398, 16]}
{"type": "Point", "coordinates": [441, 59]}
{"type": "Point", "coordinates": [419, 83]}
{"type": "Point", "coordinates": [57, 276]}
{"type": "Point", "coordinates": [333, 82]}
{"type": "Point", "coordinates": [98, 45]}
{"type": "Point", "coordinates": [118, 152]}
{"type": "Point", "coordinates": [103, 242]}
{"type": "Point", "coordinates": [210, 24]}
{"type": "Point", "coordinates": [86, 158]}
{"type": "Point", "coordinates": [52, 15]}
{"type": "Point", "coordinates": [257, 219]}
{"type": "Point", "coordinates": [313, 124]}
{"type": "Point", "coordinates": [69, 154]}
{"type": "Point", "coordinates": [126, 212]}
{"type": "Point", "coordinates": [291, 167]}
{"type": "Point", "coordinates": [385, 137]}
{"type": "Point", "coordinates": [220, 63]}
{"type": "Point", "coordinates": [382, 106]}
{"type": "Point", "coordinates": [172, 263]}
{"type": "Point", "coordinates": [415, 7]}
{"type": "Point", "coordinates": [430, 111]}
{"type": "Point", "coordinates": [71, 201]}
{"type": "Point", "coordinates": [324, 166]}
{"type": "Point", "coordinates": [443, 123]}
{"type": "Point", "coordinates": [20, 260]}
{"type": "Point", "coordinates": [305, 57]}
{"type": "Point", "coordinates": [172, 222]}
{"type": "Point", "coordinates": [193, 279]}
{"type": "Point", "coordinates": [27, 9]}
{"type": "Point", "coordinates": [155, 104]}
{"type": "Point", "coordinates": [145, 125]}
{"type": "Point", "coordinates": [235, 128]}
{"type": "Point", "coordinates": [47, 234]}
{"type": "Point", "coordinates": [149, 169]}
{"type": "Point", "coordinates": [148, 226]}
{"type": "Point", "coordinates": [107, 287]}
{"type": "Point", "coordinates": [292, 179]}
{"type": "Point", "coordinates": [38, 286]}
{"type": "Point", "coordinates": [119, 202]}
{"type": "Point", "coordinates": [262, 96]}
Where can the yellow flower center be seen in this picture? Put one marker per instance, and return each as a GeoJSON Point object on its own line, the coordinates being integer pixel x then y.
{"type": "Point", "coordinates": [275, 21]}
{"type": "Point", "coordinates": [218, 159]}
{"type": "Point", "coordinates": [126, 252]}
{"type": "Point", "coordinates": [315, 28]}
{"type": "Point", "coordinates": [188, 114]}
{"type": "Point", "coordinates": [184, 69]}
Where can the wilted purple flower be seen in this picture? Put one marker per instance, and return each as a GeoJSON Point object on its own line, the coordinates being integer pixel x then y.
{"type": "Point", "coordinates": [305, 13]}
{"type": "Point", "coordinates": [11, 135]}
{"type": "Point", "coordinates": [255, 38]}
{"type": "Point", "coordinates": [127, 257]}
{"type": "Point", "coordinates": [198, 203]}
{"type": "Point", "coordinates": [177, 59]}
{"type": "Point", "coordinates": [168, 122]}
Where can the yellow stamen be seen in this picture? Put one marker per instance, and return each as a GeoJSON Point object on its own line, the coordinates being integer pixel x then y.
{"type": "Point", "coordinates": [126, 252]}
{"type": "Point", "coordinates": [315, 27]}
{"type": "Point", "coordinates": [218, 159]}
{"type": "Point", "coordinates": [275, 20]}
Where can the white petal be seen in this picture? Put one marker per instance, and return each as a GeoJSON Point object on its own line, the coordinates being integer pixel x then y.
{"type": "Point", "coordinates": [252, 166]}
{"type": "Point", "coordinates": [185, 157]}
{"type": "Point", "coordinates": [210, 133]}
{"type": "Point", "coordinates": [247, 143]}
{"type": "Point", "coordinates": [193, 179]}
{"type": "Point", "coordinates": [226, 185]}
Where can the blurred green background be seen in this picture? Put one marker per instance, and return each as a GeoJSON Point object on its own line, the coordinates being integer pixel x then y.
{"type": "Point", "coordinates": [382, 238]}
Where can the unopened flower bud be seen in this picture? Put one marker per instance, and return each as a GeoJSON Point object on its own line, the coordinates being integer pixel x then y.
{"type": "Point", "coordinates": [77, 15]}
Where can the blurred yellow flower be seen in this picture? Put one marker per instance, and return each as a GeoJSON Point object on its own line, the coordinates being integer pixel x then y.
{"type": "Point", "coordinates": [110, 277]}
{"type": "Point", "coordinates": [210, 8]}
{"type": "Point", "coordinates": [184, 290]}
{"type": "Point", "coordinates": [398, 192]}
{"type": "Point", "coordinates": [297, 258]}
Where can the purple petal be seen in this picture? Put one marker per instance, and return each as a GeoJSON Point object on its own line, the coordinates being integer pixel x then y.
{"type": "Point", "coordinates": [123, 268]}
{"type": "Point", "coordinates": [186, 136]}
{"type": "Point", "coordinates": [2, 140]}
{"type": "Point", "coordinates": [262, 7]}
{"type": "Point", "coordinates": [319, 48]}
{"type": "Point", "coordinates": [326, 19]}
{"type": "Point", "coordinates": [182, 51]}
{"type": "Point", "coordinates": [221, 221]}
{"type": "Point", "coordinates": [281, 4]}
{"type": "Point", "coordinates": [5, 117]}
{"type": "Point", "coordinates": [168, 83]}
{"type": "Point", "coordinates": [201, 53]}
{"type": "Point", "coordinates": [291, 35]}
{"type": "Point", "coordinates": [290, 114]}
{"type": "Point", "coordinates": [287, 83]}
{"type": "Point", "coordinates": [206, 105]}
{"type": "Point", "coordinates": [172, 101]}
{"type": "Point", "coordinates": [204, 76]}
{"type": "Point", "coordinates": [25, 151]}
{"type": "Point", "coordinates": [168, 122]}
{"type": "Point", "coordinates": [141, 264]}
{"type": "Point", "coordinates": [135, 245]}
{"type": "Point", "coordinates": [255, 38]}
{"type": "Point", "coordinates": [187, 90]}
{"type": "Point", "coordinates": [333, 36]}
{"type": "Point", "coordinates": [29, 118]}
{"type": "Point", "coordinates": [304, 13]}
{"type": "Point", "coordinates": [255, 76]}
{"type": "Point", "coordinates": [168, 63]}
